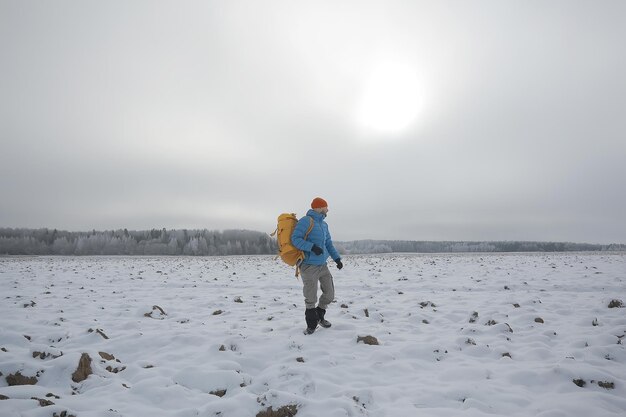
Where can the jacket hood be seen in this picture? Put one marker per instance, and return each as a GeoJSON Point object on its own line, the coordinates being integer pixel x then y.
{"type": "Point", "coordinates": [315, 215]}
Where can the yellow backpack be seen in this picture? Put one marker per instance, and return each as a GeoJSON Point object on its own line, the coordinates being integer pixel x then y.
{"type": "Point", "coordinates": [288, 253]}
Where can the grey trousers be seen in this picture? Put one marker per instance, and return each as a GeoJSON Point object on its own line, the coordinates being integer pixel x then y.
{"type": "Point", "coordinates": [311, 275]}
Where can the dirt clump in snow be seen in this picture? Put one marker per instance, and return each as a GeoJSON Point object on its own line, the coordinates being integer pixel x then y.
{"type": "Point", "coordinates": [161, 313]}
{"type": "Point", "coordinates": [606, 384]}
{"type": "Point", "coordinates": [19, 379]}
{"type": "Point", "coordinates": [616, 304]}
{"type": "Point", "coordinates": [115, 370]}
{"type": "Point", "coordinates": [284, 411]}
{"type": "Point", "coordinates": [100, 332]}
{"type": "Point", "coordinates": [42, 402]}
{"type": "Point", "coordinates": [63, 414]}
{"type": "Point", "coordinates": [83, 370]}
{"type": "Point", "coordinates": [45, 355]}
{"type": "Point", "coordinates": [474, 317]}
{"type": "Point", "coordinates": [368, 340]}
{"type": "Point", "coordinates": [107, 356]}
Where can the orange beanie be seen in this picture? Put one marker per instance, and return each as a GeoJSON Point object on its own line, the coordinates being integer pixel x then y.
{"type": "Point", "coordinates": [318, 203]}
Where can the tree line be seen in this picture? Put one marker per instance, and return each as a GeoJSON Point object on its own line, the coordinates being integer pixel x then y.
{"type": "Point", "coordinates": [409, 246]}
{"type": "Point", "coordinates": [238, 242]}
{"type": "Point", "coordinates": [145, 242]}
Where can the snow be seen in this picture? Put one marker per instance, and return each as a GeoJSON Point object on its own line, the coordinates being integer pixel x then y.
{"type": "Point", "coordinates": [458, 334]}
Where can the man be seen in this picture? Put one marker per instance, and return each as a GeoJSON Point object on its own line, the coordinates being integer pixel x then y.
{"type": "Point", "coordinates": [317, 248]}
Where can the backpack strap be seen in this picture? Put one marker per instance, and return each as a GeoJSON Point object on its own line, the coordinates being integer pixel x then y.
{"type": "Point", "coordinates": [305, 237]}
{"type": "Point", "coordinates": [310, 227]}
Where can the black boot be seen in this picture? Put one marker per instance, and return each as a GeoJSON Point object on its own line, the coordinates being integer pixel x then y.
{"type": "Point", "coordinates": [311, 318]}
{"type": "Point", "coordinates": [320, 315]}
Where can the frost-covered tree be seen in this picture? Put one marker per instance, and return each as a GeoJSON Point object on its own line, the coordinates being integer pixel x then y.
{"type": "Point", "coordinates": [234, 242]}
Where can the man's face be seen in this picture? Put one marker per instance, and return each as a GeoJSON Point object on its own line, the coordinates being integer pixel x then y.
{"type": "Point", "coordinates": [324, 211]}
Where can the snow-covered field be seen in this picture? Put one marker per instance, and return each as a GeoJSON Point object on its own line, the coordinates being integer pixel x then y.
{"type": "Point", "coordinates": [472, 335]}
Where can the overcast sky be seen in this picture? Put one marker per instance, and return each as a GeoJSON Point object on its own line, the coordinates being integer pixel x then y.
{"type": "Point", "coordinates": [446, 120]}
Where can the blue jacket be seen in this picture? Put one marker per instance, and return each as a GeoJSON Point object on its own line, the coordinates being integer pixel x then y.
{"type": "Point", "coordinates": [319, 236]}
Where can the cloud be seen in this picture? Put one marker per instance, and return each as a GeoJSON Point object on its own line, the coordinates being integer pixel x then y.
{"type": "Point", "coordinates": [223, 115]}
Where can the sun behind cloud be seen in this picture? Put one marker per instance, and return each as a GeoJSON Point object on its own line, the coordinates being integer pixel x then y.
{"type": "Point", "coordinates": [392, 99]}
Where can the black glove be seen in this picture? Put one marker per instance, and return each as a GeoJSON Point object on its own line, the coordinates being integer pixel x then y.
{"type": "Point", "coordinates": [339, 264]}
{"type": "Point", "coordinates": [317, 250]}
